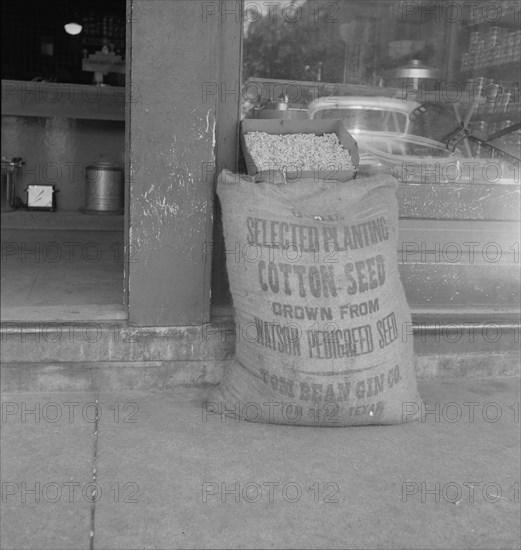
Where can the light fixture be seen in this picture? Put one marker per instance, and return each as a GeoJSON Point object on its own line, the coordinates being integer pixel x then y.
{"type": "Point", "coordinates": [73, 28]}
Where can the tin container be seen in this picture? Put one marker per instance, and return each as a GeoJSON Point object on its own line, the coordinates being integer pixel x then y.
{"type": "Point", "coordinates": [104, 188]}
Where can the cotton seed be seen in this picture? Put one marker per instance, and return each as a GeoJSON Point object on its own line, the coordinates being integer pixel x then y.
{"type": "Point", "coordinates": [298, 152]}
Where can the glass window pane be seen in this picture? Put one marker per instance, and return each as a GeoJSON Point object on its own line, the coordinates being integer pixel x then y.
{"type": "Point", "coordinates": [451, 67]}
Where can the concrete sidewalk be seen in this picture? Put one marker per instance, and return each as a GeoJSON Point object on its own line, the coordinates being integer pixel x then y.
{"type": "Point", "coordinates": [169, 477]}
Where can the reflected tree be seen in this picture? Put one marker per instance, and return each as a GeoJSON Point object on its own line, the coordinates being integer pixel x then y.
{"type": "Point", "coordinates": [356, 41]}
{"type": "Point", "coordinates": [298, 41]}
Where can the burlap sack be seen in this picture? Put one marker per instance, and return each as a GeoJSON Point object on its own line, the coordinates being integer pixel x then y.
{"type": "Point", "coordinates": [323, 326]}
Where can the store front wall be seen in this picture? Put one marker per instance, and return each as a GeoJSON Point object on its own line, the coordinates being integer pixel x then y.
{"type": "Point", "coordinates": [182, 114]}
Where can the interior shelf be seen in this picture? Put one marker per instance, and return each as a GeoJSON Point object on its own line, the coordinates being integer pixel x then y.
{"type": "Point", "coordinates": [53, 99]}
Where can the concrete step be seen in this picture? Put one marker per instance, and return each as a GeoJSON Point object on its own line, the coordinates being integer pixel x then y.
{"type": "Point", "coordinates": [120, 340]}
{"type": "Point", "coordinates": [109, 376]}
{"type": "Point", "coordinates": [165, 375]}
{"type": "Point", "coordinates": [116, 340]}
{"type": "Point", "coordinates": [119, 355]}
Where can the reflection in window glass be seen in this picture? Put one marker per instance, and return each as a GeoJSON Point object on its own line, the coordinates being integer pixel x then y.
{"type": "Point", "coordinates": [363, 120]}
{"type": "Point", "coordinates": [354, 41]}
{"type": "Point", "coordinates": [452, 68]}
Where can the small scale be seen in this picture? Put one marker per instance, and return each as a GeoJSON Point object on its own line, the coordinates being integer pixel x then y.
{"type": "Point", "coordinates": [41, 197]}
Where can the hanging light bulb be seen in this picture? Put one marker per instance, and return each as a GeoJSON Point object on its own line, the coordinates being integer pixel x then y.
{"type": "Point", "coordinates": [73, 28]}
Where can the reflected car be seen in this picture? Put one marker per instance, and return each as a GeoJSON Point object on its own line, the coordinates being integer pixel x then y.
{"type": "Point", "coordinates": [362, 115]}
{"type": "Point", "coordinates": [384, 129]}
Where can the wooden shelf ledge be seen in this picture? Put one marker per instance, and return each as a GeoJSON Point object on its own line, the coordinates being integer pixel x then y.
{"type": "Point", "coordinates": [56, 99]}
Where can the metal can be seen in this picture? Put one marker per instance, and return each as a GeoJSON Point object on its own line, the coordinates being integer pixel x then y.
{"type": "Point", "coordinates": [104, 189]}
{"type": "Point", "coordinates": [10, 172]}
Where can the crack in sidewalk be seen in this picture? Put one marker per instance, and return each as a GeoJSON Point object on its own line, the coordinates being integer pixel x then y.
{"type": "Point", "coordinates": [94, 496]}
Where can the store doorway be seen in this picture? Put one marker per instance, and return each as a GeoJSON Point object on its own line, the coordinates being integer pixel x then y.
{"type": "Point", "coordinates": [63, 259]}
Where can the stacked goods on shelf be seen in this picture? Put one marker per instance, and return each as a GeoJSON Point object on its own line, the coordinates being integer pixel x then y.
{"type": "Point", "coordinates": [492, 63]}
{"type": "Point", "coordinates": [496, 47]}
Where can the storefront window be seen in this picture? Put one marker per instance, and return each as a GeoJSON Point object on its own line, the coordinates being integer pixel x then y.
{"type": "Point", "coordinates": [446, 71]}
